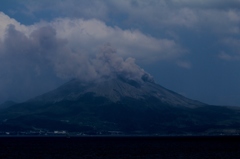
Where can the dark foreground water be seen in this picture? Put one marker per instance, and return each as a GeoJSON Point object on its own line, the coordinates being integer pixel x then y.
{"type": "Point", "coordinates": [119, 147]}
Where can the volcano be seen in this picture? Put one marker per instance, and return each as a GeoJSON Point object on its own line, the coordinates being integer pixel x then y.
{"type": "Point", "coordinates": [118, 105]}
{"type": "Point", "coordinates": [117, 90]}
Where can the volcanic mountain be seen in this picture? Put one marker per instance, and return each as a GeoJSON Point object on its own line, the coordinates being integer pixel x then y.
{"type": "Point", "coordinates": [116, 90]}
{"type": "Point", "coordinates": [118, 105]}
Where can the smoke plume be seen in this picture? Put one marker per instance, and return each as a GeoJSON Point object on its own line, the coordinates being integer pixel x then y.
{"type": "Point", "coordinates": [26, 61]}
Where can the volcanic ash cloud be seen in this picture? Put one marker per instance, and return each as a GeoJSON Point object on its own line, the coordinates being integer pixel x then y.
{"type": "Point", "coordinates": [27, 60]}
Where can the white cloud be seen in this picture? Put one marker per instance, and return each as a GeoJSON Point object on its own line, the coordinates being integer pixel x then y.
{"type": "Point", "coordinates": [184, 64]}
{"type": "Point", "coordinates": [5, 21]}
{"type": "Point", "coordinates": [232, 53]}
{"type": "Point", "coordinates": [206, 3]}
{"type": "Point", "coordinates": [70, 48]}
{"type": "Point", "coordinates": [227, 57]}
{"type": "Point", "coordinates": [70, 8]}
{"type": "Point", "coordinates": [89, 35]}
{"type": "Point", "coordinates": [218, 16]}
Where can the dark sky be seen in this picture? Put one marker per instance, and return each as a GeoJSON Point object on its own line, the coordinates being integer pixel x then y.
{"type": "Point", "coordinates": [190, 47]}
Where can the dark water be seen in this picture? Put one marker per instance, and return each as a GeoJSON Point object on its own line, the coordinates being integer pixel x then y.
{"type": "Point", "coordinates": [119, 147]}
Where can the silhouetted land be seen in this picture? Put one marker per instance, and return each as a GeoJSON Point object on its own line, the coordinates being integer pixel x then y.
{"type": "Point", "coordinates": [120, 147]}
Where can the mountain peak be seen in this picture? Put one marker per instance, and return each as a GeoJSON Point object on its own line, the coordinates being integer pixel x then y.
{"type": "Point", "coordinates": [116, 90]}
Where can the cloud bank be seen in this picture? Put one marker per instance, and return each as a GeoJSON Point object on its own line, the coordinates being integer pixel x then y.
{"type": "Point", "coordinates": [74, 48]}
{"type": "Point", "coordinates": [219, 15]}
{"type": "Point", "coordinates": [181, 40]}
{"type": "Point", "coordinates": [217, 18]}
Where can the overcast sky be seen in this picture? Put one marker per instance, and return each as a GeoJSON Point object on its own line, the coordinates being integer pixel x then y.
{"type": "Point", "coordinates": [189, 46]}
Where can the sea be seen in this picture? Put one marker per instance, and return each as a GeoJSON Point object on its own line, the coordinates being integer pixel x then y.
{"type": "Point", "coordinates": [120, 147]}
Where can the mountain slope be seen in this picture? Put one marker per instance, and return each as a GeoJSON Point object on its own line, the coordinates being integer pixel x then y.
{"type": "Point", "coordinates": [116, 89]}
{"type": "Point", "coordinates": [118, 105]}
{"type": "Point", "coordinates": [7, 104]}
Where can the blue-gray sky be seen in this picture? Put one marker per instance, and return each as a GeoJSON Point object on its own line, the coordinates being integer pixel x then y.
{"type": "Point", "coordinates": [190, 47]}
